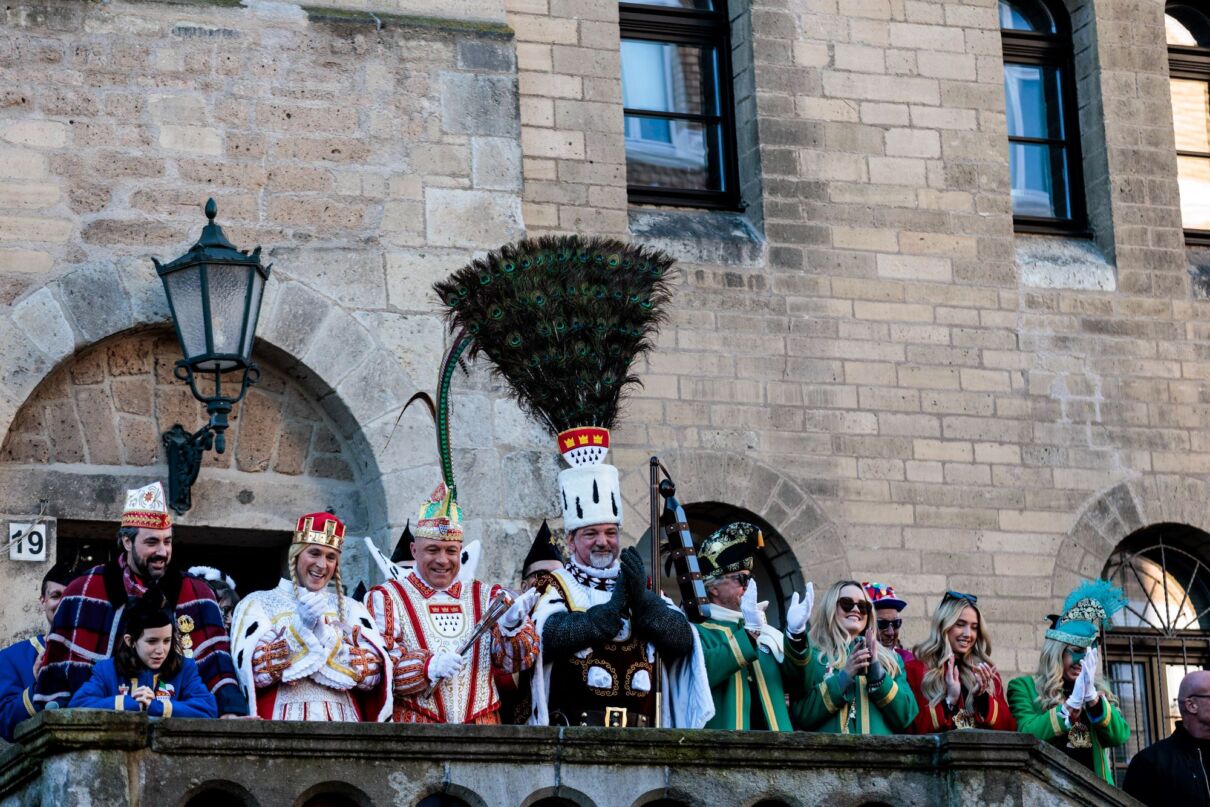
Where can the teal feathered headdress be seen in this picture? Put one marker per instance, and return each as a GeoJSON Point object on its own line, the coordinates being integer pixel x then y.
{"type": "Point", "coordinates": [1086, 612]}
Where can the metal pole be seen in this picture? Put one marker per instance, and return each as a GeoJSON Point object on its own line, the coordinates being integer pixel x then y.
{"type": "Point", "coordinates": [654, 533]}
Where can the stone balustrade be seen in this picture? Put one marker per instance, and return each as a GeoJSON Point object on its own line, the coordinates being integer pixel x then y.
{"type": "Point", "coordinates": [76, 758]}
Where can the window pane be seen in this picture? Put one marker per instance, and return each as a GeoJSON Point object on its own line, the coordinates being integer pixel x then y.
{"type": "Point", "coordinates": [664, 153]}
{"type": "Point", "coordinates": [1193, 176]}
{"type": "Point", "coordinates": [700, 5]}
{"type": "Point", "coordinates": [1039, 180]}
{"type": "Point", "coordinates": [1023, 15]}
{"type": "Point", "coordinates": [1187, 26]}
{"type": "Point", "coordinates": [663, 77]}
{"type": "Point", "coordinates": [1178, 34]}
{"type": "Point", "coordinates": [1033, 101]}
{"type": "Point", "coordinates": [1129, 682]}
{"type": "Point", "coordinates": [1191, 114]}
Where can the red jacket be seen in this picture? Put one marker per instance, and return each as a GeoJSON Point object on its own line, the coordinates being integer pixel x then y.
{"type": "Point", "coordinates": [991, 712]}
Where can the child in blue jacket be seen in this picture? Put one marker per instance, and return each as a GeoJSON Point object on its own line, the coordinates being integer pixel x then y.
{"type": "Point", "coordinates": [147, 672]}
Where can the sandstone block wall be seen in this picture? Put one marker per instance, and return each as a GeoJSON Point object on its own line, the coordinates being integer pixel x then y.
{"type": "Point", "coordinates": [869, 357]}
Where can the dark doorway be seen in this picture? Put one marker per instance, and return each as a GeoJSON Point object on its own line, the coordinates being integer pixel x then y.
{"type": "Point", "coordinates": [254, 558]}
{"type": "Point", "coordinates": [776, 570]}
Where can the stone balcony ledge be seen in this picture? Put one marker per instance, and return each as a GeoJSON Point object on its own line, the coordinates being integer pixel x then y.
{"type": "Point", "coordinates": [81, 757]}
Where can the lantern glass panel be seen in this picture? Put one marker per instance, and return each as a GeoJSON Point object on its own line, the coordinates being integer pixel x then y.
{"type": "Point", "coordinates": [256, 293]}
{"type": "Point", "coordinates": [228, 295]}
{"type": "Point", "coordinates": [185, 294]}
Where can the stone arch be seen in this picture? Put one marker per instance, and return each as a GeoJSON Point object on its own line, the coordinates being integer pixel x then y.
{"type": "Point", "coordinates": [560, 792]}
{"type": "Point", "coordinates": [218, 791]}
{"type": "Point", "coordinates": [340, 358]}
{"type": "Point", "coordinates": [333, 793]}
{"type": "Point", "coordinates": [740, 481]}
{"type": "Point", "coordinates": [1111, 515]}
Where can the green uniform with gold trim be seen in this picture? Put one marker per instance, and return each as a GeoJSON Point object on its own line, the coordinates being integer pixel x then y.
{"type": "Point", "coordinates": [1108, 731]}
{"type": "Point", "coordinates": [744, 677]}
{"type": "Point", "coordinates": [888, 708]}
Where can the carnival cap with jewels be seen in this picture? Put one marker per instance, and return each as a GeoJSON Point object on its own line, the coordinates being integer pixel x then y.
{"type": "Point", "coordinates": [323, 529]}
{"type": "Point", "coordinates": [883, 596]}
{"type": "Point", "coordinates": [440, 517]}
{"type": "Point", "coordinates": [730, 549]}
{"type": "Point", "coordinates": [1086, 612]}
{"type": "Point", "coordinates": [146, 508]}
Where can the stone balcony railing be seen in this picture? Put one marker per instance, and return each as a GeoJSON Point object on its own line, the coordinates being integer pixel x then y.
{"type": "Point", "coordinates": [106, 759]}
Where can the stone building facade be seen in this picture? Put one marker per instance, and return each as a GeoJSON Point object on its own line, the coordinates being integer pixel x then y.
{"type": "Point", "coordinates": [867, 357]}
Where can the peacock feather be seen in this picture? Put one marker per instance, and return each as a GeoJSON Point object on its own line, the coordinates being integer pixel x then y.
{"type": "Point", "coordinates": [562, 318]}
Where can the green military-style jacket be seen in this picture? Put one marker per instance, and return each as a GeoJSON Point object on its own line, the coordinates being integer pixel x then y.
{"type": "Point", "coordinates": [735, 666]}
{"type": "Point", "coordinates": [888, 708]}
{"type": "Point", "coordinates": [1048, 725]}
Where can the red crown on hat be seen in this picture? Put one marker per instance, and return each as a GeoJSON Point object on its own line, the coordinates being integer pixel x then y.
{"type": "Point", "coordinates": [323, 529]}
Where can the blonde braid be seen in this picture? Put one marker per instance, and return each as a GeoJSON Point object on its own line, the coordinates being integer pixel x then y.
{"type": "Point", "coordinates": [340, 594]}
{"type": "Point", "coordinates": [292, 559]}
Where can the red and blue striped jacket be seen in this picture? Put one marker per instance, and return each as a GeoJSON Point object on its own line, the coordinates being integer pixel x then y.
{"type": "Point", "coordinates": [90, 622]}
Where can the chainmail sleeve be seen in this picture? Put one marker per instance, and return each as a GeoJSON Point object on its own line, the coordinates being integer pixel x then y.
{"type": "Point", "coordinates": [571, 631]}
{"type": "Point", "coordinates": [663, 626]}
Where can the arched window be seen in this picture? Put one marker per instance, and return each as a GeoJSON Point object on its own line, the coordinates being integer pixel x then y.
{"type": "Point", "coordinates": [775, 569]}
{"type": "Point", "coordinates": [1188, 33]}
{"type": "Point", "coordinates": [1163, 633]}
{"type": "Point", "coordinates": [1044, 159]}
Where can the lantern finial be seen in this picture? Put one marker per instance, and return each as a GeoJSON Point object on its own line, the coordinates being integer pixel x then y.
{"type": "Point", "coordinates": [211, 209]}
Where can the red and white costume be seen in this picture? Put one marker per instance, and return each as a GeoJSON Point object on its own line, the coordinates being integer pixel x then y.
{"type": "Point", "coordinates": [418, 622]}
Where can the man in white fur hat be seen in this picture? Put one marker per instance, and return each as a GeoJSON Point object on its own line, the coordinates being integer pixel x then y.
{"type": "Point", "coordinates": [600, 625]}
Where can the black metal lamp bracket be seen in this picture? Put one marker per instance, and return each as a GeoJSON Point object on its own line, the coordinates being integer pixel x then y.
{"type": "Point", "coordinates": [185, 449]}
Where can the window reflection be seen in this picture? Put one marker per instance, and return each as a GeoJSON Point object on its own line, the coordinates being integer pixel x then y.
{"type": "Point", "coordinates": [1041, 129]}
{"type": "Point", "coordinates": [1025, 16]}
{"type": "Point", "coordinates": [681, 145]}
{"type": "Point", "coordinates": [1188, 33]}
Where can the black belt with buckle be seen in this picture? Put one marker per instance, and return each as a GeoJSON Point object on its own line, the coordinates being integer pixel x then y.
{"type": "Point", "coordinates": [611, 716]}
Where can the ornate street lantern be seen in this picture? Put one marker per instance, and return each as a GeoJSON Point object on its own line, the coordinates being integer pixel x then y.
{"type": "Point", "coordinates": [214, 294]}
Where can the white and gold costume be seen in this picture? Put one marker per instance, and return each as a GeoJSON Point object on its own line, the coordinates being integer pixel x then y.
{"type": "Point", "coordinates": [338, 671]}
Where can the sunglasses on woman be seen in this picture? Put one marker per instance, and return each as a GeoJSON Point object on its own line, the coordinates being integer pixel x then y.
{"type": "Point", "coordinates": [849, 605]}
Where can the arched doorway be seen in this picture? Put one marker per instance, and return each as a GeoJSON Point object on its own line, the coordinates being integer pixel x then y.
{"type": "Point", "coordinates": [776, 570]}
{"type": "Point", "coordinates": [1163, 633]}
{"type": "Point", "coordinates": [92, 429]}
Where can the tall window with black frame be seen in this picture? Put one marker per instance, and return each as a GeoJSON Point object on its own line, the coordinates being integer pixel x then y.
{"type": "Point", "coordinates": [676, 94]}
{"type": "Point", "coordinates": [1188, 33]}
{"type": "Point", "coordinates": [1044, 160]}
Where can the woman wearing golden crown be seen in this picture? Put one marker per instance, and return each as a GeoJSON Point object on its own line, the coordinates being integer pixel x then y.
{"type": "Point", "coordinates": [305, 652]}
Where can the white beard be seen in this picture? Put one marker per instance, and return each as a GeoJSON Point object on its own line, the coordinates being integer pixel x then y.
{"type": "Point", "coordinates": [607, 573]}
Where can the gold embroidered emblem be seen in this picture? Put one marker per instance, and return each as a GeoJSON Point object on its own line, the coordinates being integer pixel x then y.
{"type": "Point", "coordinates": [1079, 737]}
{"type": "Point", "coordinates": [184, 624]}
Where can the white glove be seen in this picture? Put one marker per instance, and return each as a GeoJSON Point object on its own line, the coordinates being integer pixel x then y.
{"type": "Point", "coordinates": [1075, 702]}
{"type": "Point", "coordinates": [1088, 671]}
{"type": "Point", "coordinates": [750, 608]}
{"type": "Point", "coordinates": [800, 611]}
{"type": "Point", "coordinates": [445, 665]}
{"type": "Point", "coordinates": [519, 610]}
{"type": "Point", "coordinates": [311, 607]}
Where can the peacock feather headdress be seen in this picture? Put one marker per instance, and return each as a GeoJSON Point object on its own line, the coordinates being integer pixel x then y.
{"type": "Point", "coordinates": [1086, 612]}
{"type": "Point", "coordinates": [563, 319]}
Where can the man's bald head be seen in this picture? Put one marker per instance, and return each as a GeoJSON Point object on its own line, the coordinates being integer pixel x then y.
{"type": "Point", "coordinates": [1193, 699]}
{"type": "Point", "coordinates": [1195, 683]}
